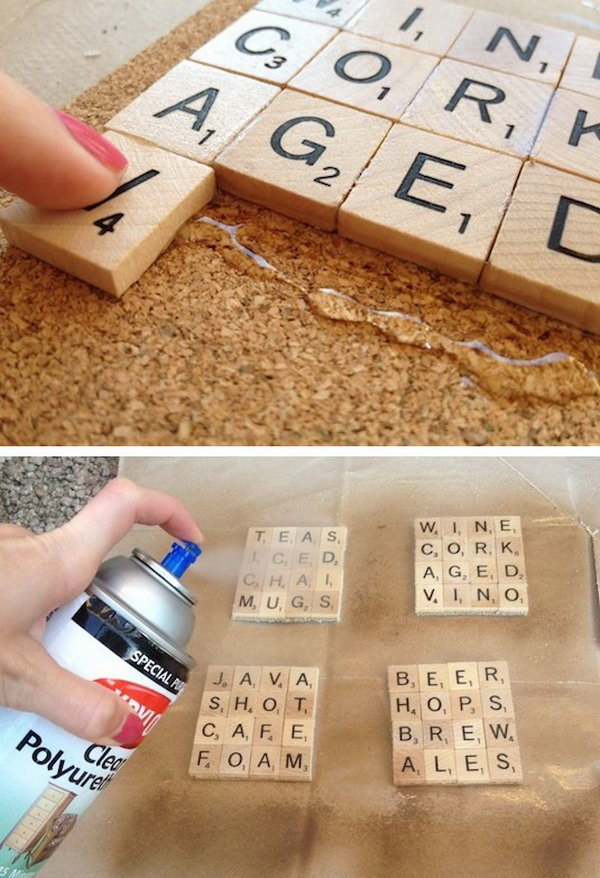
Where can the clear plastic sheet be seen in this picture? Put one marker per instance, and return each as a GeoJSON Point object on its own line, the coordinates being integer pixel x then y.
{"type": "Point", "coordinates": [351, 822]}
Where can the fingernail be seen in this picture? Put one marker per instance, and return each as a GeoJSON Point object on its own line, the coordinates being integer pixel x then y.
{"type": "Point", "coordinates": [101, 148]}
{"type": "Point", "coordinates": [131, 732]}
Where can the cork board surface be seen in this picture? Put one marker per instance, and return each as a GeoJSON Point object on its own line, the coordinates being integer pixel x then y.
{"type": "Point", "coordinates": [216, 347]}
{"type": "Point", "coordinates": [351, 822]}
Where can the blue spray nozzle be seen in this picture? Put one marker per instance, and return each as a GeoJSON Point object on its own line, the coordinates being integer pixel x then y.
{"type": "Point", "coordinates": [181, 557]}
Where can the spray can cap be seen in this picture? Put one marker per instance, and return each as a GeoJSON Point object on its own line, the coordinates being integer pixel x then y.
{"type": "Point", "coordinates": [181, 557]}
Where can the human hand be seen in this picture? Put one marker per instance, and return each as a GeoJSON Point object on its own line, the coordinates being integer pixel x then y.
{"type": "Point", "coordinates": [39, 573]}
{"type": "Point", "coordinates": [50, 158]}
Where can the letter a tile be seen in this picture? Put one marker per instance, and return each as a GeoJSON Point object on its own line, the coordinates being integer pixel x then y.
{"type": "Point", "coordinates": [547, 255]}
{"type": "Point", "coordinates": [301, 157]}
{"type": "Point", "coordinates": [432, 200]}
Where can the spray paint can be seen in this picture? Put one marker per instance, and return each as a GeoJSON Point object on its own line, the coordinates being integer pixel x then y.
{"type": "Point", "coordinates": [127, 632]}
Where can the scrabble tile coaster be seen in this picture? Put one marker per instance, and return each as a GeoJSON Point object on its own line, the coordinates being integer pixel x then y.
{"type": "Point", "coordinates": [470, 565]}
{"type": "Point", "coordinates": [291, 574]}
{"type": "Point", "coordinates": [453, 724]}
{"type": "Point", "coordinates": [256, 723]}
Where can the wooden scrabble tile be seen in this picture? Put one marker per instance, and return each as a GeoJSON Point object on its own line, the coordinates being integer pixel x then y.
{"type": "Point", "coordinates": [508, 525]}
{"type": "Point", "coordinates": [265, 46]}
{"type": "Point", "coordinates": [493, 675]}
{"type": "Point", "coordinates": [219, 677]}
{"type": "Point", "coordinates": [194, 110]}
{"type": "Point", "coordinates": [505, 766]}
{"type": "Point", "coordinates": [265, 732]}
{"type": "Point", "coordinates": [454, 528]}
{"type": "Point", "coordinates": [509, 548]}
{"type": "Point", "coordinates": [465, 735]}
{"type": "Point", "coordinates": [481, 106]}
{"type": "Point", "coordinates": [454, 548]}
{"type": "Point", "coordinates": [301, 157]}
{"type": "Point", "coordinates": [235, 761]}
{"type": "Point", "coordinates": [472, 766]}
{"type": "Point", "coordinates": [366, 74]}
{"type": "Point", "coordinates": [438, 735]}
{"type": "Point", "coordinates": [463, 676]}
{"type": "Point", "coordinates": [409, 767]}
{"type": "Point", "coordinates": [428, 550]}
{"type": "Point", "coordinates": [406, 734]}
{"type": "Point", "coordinates": [283, 537]}
{"type": "Point", "coordinates": [428, 527]}
{"type": "Point", "coordinates": [333, 537]}
{"type": "Point", "coordinates": [326, 605]}
{"type": "Point", "coordinates": [308, 539]}
{"type": "Point", "coordinates": [259, 537]}
{"type": "Point", "coordinates": [513, 599]}
{"type": "Point", "coordinates": [455, 572]}
{"type": "Point", "coordinates": [482, 549]}
{"type": "Point", "coordinates": [429, 572]}
{"type": "Point", "coordinates": [332, 12]}
{"type": "Point", "coordinates": [429, 598]}
{"type": "Point", "coordinates": [264, 762]}
{"type": "Point", "coordinates": [480, 527]}
{"type": "Point", "coordinates": [433, 678]}
{"type": "Point", "coordinates": [457, 597]}
{"type": "Point", "coordinates": [111, 244]}
{"type": "Point", "coordinates": [245, 604]}
{"type": "Point", "coordinates": [483, 571]}
{"type": "Point", "coordinates": [328, 578]}
{"type": "Point", "coordinates": [570, 136]}
{"type": "Point", "coordinates": [272, 605]}
{"type": "Point", "coordinates": [440, 766]}
{"type": "Point", "coordinates": [299, 605]}
{"type": "Point", "coordinates": [429, 26]}
{"type": "Point", "coordinates": [511, 570]}
{"type": "Point", "coordinates": [431, 200]}
{"type": "Point", "coordinates": [468, 734]}
{"type": "Point", "coordinates": [547, 256]}
{"type": "Point", "coordinates": [205, 761]}
{"type": "Point", "coordinates": [582, 73]}
{"type": "Point", "coordinates": [485, 599]}
{"type": "Point", "coordinates": [296, 763]}
{"type": "Point", "coordinates": [514, 45]}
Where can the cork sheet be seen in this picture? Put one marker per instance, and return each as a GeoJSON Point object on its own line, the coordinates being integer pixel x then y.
{"type": "Point", "coordinates": [351, 822]}
{"type": "Point", "coordinates": [232, 338]}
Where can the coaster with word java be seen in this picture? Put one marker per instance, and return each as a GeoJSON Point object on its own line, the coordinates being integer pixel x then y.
{"type": "Point", "coordinates": [256, 723]}
{"type": "Point", "coordinates": [453, 724]}
{"type": "Point", "coordinates": [291, 574]}
{"type": "Point", "coordinates": [473, 565]}
{"type": "Point", "coordinates": [464, 140]}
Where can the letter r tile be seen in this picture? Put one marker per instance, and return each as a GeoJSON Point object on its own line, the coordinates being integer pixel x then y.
{"type": "Point", "coordinates": [547, 250]}
{"type": "Point", "coordinates": [431, 199]}
{"type": "Point", "coordinates": [480, 106]}
{"type": "Point", "coordinates": [525, 48]}
{"type": "Point", "coordinates": [301, 157]}
{"type": "Point", "coordinates": [265, 46]}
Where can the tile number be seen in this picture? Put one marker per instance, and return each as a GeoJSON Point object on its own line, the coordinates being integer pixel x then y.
{"type": "Point", "coordinates": [107, 224]}
{"type": "Point", "coordinates": [322, 179]}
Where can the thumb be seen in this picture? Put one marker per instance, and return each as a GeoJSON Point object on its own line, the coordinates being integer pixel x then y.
{"type": "Point", "coordinates": [35, 683]}
{"type": "Point", "coordinates": [50, 158]}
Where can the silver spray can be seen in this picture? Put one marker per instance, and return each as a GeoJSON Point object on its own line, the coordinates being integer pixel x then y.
{"type": "Point", "coordinates": [127, 632]}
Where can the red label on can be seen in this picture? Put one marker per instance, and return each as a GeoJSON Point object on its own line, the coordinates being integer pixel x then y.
{"type": "Point", "coordinates": [148, 704]}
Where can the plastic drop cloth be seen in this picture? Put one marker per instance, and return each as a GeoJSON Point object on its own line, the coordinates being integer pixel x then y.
{"type": "Point", "coordinates": [351, 822]}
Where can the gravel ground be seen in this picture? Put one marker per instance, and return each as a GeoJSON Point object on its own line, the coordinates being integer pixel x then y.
{"type": "Point", "coordinates": [41, 493]}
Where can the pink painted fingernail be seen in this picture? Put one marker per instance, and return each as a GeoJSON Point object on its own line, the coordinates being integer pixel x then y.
{"type": "Point", "coordinates": [131, 732]}
{"type": "Point", "coordinates": [101, 148]}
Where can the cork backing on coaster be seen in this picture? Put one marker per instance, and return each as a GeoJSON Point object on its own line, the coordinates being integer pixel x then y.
{"type": "Point", "coordinates": [211, 348]}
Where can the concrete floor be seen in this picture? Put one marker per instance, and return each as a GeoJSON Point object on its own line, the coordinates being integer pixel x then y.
{"type": "Point", "coordinates": [71, 44]}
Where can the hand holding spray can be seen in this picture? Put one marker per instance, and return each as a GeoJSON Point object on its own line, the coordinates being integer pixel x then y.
{"type": "Point", "coordinates": [127, 632]}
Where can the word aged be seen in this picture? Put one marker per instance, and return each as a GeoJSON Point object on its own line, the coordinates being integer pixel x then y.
{"type": "Point", "coordinates": [291, 574]}
{"type": "Point", "coordinates": [472, 565]}
{"type": "Point", "coordinates": [453, 724]}
{"type": "Point", "coordinates": [256, 723]}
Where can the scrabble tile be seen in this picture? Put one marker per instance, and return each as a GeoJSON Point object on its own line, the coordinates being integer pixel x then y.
{"type": "Point", "coordinates": [466, 735]}
{"type": "Point", "coordinates": [301, 157]}
{"type": "Point", "coordinates": [264, 728]}
{"type": "Point", "coordinates": [431, 200]}
{"type": "Point", "coordinates": [570, 137]}
{"type": "Point", "coordinates": [525, 48]}
{"type": "Point", "coordinates": [481, 570]}
{"type": "Point", "coordinates": [291, 574]}
{"type": "Point", "coordinates": [429, 26]}
{"type": "Point", "coordinates": [194, 110]}
{"type": "Point", "coordinates": [366, 74]}
{"type": "Point", "coordinates": [582, 73]}
{"type": "Point", "coordinates": [547, 255]}
{"type": "Point", "coordinates": [505, 766]}
{"type": "Point", "coordinates": [484, 107]}
{"type": "Point", "coordinates": [332, 12]}
{"type": "Point", "coordinates": [409, 767]}
{"type": "Point", "coordinates": [265, 46]}
{"type": "Point", "coordinates": [428, 527]}
{"type": "Point", "coordinates": [111, 244]}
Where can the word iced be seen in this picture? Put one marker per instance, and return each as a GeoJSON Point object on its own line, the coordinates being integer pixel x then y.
{"type": "Point", "coordinates": [291, 574]}
{"type": "Point", "coordinates": [256, 723]}
{"type": "Point", "coordinates": [453, 724]}
{"type": "Point", "coordinates": [470, 565]}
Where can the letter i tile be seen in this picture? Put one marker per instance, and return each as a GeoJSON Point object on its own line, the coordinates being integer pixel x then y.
{"type": "Point", "coordinates": [466, 736]}
{"type": "Point", "coordinates": [256, 723]}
